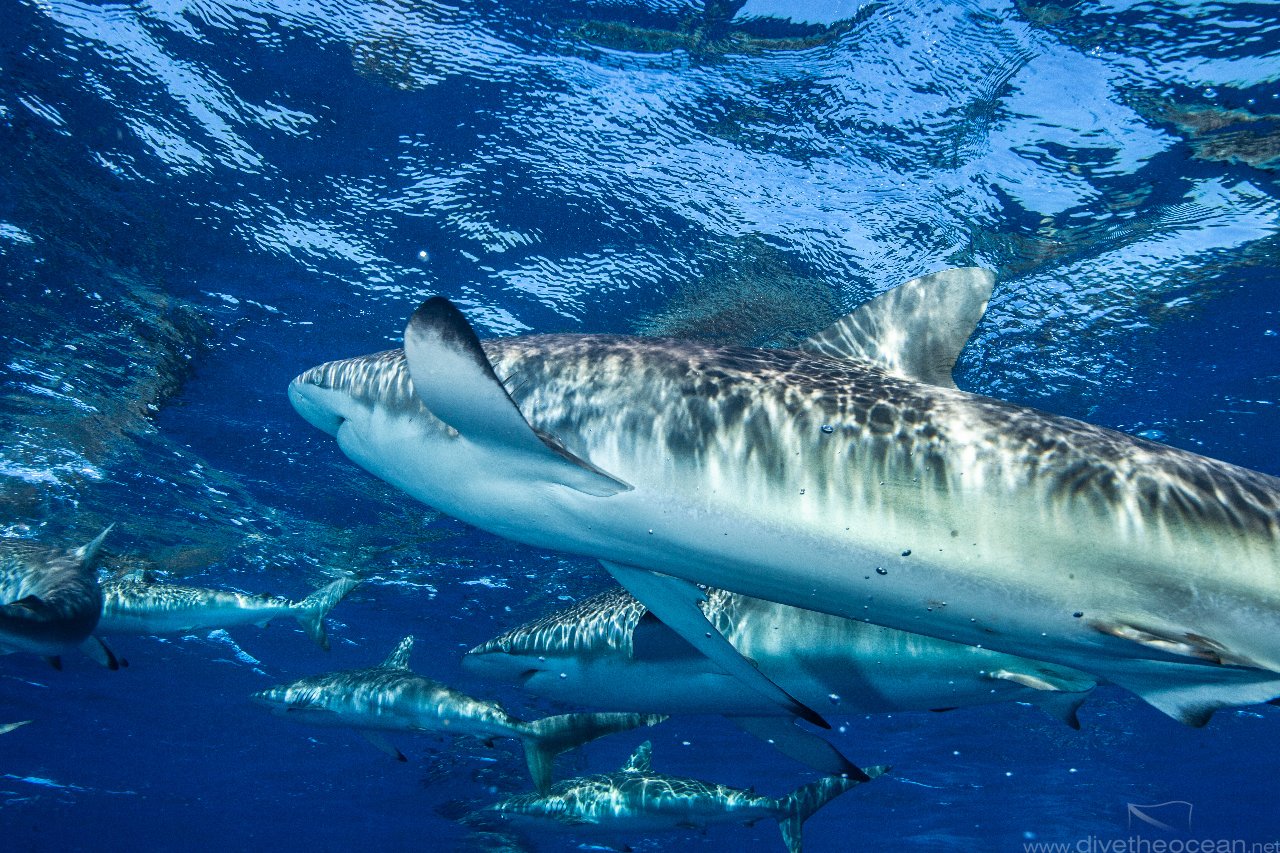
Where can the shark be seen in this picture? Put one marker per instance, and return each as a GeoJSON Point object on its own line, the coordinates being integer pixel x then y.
{"type": "Point", "coordinates": [391, 697]}
{"type": "Point", "coordinates": [636, 799]}
{"type": "Point", "coordinates": [138, 604]}
{"type": "Point", "coordinates": [51, 601]}
{"type": "Point", "coordinates": [847, 475]}
{"type": "Point", "coordinates": [609, 652]}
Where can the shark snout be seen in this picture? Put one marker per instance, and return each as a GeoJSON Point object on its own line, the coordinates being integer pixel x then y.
{"type": "Point", "coordinates": [323, 408]}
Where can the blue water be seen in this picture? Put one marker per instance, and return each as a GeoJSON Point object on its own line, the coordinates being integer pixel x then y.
{"type": "Point", "coordinates": [200, 199]}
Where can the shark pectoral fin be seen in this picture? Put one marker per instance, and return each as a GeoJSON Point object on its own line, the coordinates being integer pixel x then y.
{"type": "Point", "coordinates": [379, 740]}
{"type": "Point", "coordinates": [30, 606]}
{"type": "Point", "coordinates": [675, 602]}
{"type": "Point", "coordinates": [453, 378]}
{"type": "Point", "coordinates": [1190, 693]}
{"type": "Point", "coordinates": [805, 747]}
{"type": "Point", "coordinates": [917, 329]}
{"type": "Point", "coordinates": [99, 653]}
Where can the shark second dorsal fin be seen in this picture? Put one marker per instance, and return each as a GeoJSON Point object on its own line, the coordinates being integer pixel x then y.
{"type": "Point", "coordinates": [915, 330]}
{"type": "Point", "coordinates": [399, 659]}
{"type": "Point", "coordinates": [640, 760]}
{"type": "Point", "coordinates": [453, 378]}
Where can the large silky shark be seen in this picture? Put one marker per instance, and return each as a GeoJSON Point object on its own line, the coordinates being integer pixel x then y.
{"type": "Point", "coordinates": [609, 653]}
{"type": "Point", "coordinates": [636, 799]}
{"type": "Point", "coordinates": [50, 601]}
{"type": "Point", "coordinates": [140, 605]}
{"type": "Point", "coordinates": [392, 698]}
{"type": "Point", "coordinates": [849, 476]}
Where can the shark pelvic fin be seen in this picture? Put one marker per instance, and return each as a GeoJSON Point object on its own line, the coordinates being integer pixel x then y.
{"type": "Point", "coordinates": [379, 740]}
{"type": "Point", "coordinates": [641, 761]}
{"type": "Point", "coordinates": [453, 378]}
{"type": "Point", "coordinates": [101, 654]}
{"type": "Point", "coordinates": [917, 329]}
{"type": "Point", "coordinates": [399, 657]}
{"type": "Point", "coordinates": [675, 602]}
{"type": "Point", "coordinates": [805, 747]}
{"type": "Point", "coordinates": [1189, 692]}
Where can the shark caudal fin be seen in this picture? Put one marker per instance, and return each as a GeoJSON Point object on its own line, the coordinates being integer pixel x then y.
{"type": "Point", "coordinates": [312, 610]}
{"type": "Point", "coordinates": [546, 738]}
{"type": "Point", "coordinates": [798, 806]}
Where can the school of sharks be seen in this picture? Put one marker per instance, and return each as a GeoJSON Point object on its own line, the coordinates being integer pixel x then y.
{"type": "Point", "coordinates": [788, 528]}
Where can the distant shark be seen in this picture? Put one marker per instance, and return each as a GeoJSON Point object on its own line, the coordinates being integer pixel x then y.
{"type": "Point", "coordinates": [391, 697]}
{"type": "Point", "coordinates": [849, 476]}
{"type": "Point", "coordinates": [635, 799]}
{"type": "Point", "coordinates": [608, 652]}
{"type": "Point", "coordinates": [140, 605]}
{"type": "Point", "coordinates": [50, 601]}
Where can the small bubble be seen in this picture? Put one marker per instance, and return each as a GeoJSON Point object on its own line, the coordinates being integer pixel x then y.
{"type": "Point", "coordinates": [1077, 614]}
{"type": "Point", "coordinates": [828, 429]}
{"type": "Point", "coordinates": [564, 675]}
{"type": "Point", "coordinates": [834, 697]}
{"type": "Point", "coordinates": [802, 491]}
{"type": "Point", "coordinates": [906, 553]}
{"type": "Point", "coordinates": [422, 255]}
{"type": "Point", "coordinates": [881, 570]}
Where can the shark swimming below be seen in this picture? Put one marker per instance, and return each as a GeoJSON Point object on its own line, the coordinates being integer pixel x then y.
{"type": "Point", "coordinates": [140, 605]}
{"type": "Point", "coordinates": [636, 799]}
{"type": "Point", "coordinates": [609, 653]}
{"type": "Point", "coordinates": [848, 476]}
{"type": "Point", "coordinates": [50, 601]}
{"type": "Point", "coordinates": [392, 698]}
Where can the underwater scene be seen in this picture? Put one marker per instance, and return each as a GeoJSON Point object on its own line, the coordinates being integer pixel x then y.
{"type": "Point", "coordinates": [640, 425]}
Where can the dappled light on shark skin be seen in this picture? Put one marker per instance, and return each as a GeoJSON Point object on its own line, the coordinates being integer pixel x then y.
{"type": "Point", "coordinates": [988, 524]}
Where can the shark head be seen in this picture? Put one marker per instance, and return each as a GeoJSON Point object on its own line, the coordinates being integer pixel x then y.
{"type": "Point", "coordinates": [600, 626]}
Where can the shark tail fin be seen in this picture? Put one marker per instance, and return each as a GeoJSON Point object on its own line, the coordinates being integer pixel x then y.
{"type": "Point", "coordinates": [546, 738]}
{"type": "Point", "coordinates": [800, 804]}
{"type": "Point", "coordinates": [315, 607]}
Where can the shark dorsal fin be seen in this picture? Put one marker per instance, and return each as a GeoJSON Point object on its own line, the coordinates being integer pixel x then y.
{"type": "Point", "coordinates": [88, 553]}
{"type": "Point", "coordinates": [916, 330]}
{"type": "Point", "coordinates": [453, 378]}
{"type": "Point", "coordinates": [639, 762]}
{"type": "Point", "coordinates": [399, 659]}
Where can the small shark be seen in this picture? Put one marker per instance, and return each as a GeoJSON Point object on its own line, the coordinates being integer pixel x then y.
{"type": "Point", "coordinates": [140, 605]}
{"type": "Point", "coordinates": [390, 697]}
{"type": "Point", "coordinates": [51, 601]}
{"type": "Point", "coordinates": [608, 652]}
{"type": "Point", "coordinates": [635, 799]}
{"type": "Point", "coordinates": [849, 476]}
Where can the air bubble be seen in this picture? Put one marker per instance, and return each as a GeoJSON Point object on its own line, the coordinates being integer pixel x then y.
{"type": "Point", "coordinates": [828, 429]}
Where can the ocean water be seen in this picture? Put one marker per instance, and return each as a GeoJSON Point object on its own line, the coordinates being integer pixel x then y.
{"type": "Point", "coordinates": [201, 198]}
